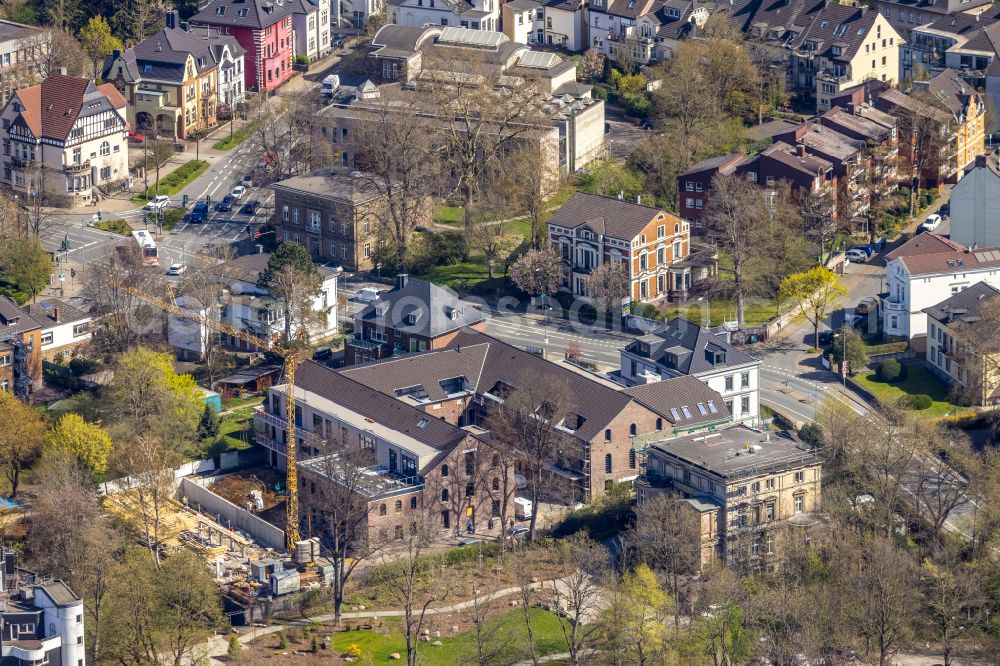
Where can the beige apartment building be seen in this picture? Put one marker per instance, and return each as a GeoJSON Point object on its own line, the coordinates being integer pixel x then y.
{"type": "Point", "coordinates": [743, 484]}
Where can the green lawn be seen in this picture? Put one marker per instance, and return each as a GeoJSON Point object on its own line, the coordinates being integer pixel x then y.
{"type": "Point", "coordinates": [248, 401]}
{"type": "Point", "coordinates": [450, 215]}
{"type": "Point", "coordinates": [173, 182]}
{"type": "Point", "coordinates": [462, 648]}
{"type": "Point", "coordinates": [917, 381]}
{"type": "Point", "coordinates": [756, 312]}
{"type": "Point", "coordinates": [459, 276]}
{"type": "Point", "coordinates": [118, 226]}
{"type": "Point", "coordinates": [238, 137]}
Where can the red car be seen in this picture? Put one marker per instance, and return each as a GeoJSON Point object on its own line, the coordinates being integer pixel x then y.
{"type": "Point", "coordinates": [136, 137]}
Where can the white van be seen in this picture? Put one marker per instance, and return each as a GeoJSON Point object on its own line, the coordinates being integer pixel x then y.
{"type": "Point", "coordinates": [367, 295]}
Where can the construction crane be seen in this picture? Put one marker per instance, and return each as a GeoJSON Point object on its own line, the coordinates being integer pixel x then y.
{"type": "Point", "coordinates": [291, 354]}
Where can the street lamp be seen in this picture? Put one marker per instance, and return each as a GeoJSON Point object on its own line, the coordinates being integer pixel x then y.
{"type": "Point", "coordinates": [545, 320]}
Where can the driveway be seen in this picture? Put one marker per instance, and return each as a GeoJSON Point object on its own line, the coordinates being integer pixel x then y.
{"type": "Point", "coordinates": [625, 135]}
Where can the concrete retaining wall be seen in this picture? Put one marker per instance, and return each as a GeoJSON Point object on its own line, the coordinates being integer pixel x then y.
{"type": "Point", "coordinates": [229, 514]}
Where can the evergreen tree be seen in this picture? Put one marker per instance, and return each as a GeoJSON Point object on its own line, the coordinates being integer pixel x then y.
{"type": "Point", "coordinates": [209, 424]}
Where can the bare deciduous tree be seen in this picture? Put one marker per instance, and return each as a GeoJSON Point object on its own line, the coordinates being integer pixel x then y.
{"type": "Point", "coordinates": [737, 223]}
{"type": "Point", "coordinates": [483, 114]}
{"type": "Point", "coordinates": [579, 594]}
{"type": "Point", "coordinates": [394, 145]}
{"type": "Point", "coordinates": [148, 485]}
{"type": "Point", "coordinates": [666, 537]}
{"type": "Point", "coordinates": [882, 606]}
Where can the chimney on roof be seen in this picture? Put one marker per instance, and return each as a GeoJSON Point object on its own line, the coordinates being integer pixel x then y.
{"type": "Point", "coordinates": [621, 195]}
{"type": "Point", "coordinates": [638, 199]}
{"type": "Point", "coordinates": [55, 315]}
{"type": "Point", "coordinates": [801, 149]}
{"type": "Point", "coordinates": [62, 71]}
{"type": "Point", "coordinates": [185, 26]}
{"type": "Point", "coordinates": [173, 18]}
{"type": "Point", "coordinates": [401, 280]}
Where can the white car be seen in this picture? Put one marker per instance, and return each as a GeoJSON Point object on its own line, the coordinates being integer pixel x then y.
{"type": "Point", "coordinates": [856, 256]}
{"type": "Point", "coordinates": [239, 191]}
{"type": "Point", "coordinates": [157, 202]}
{"type": "Point", "coordinates": [176, 269]}
{"type": "Point", "coordinates": [932, 222]}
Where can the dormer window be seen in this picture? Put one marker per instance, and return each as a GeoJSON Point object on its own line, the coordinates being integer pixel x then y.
{"type": "Point", "coordinates": [221, 11]}
{"type": "Point", "coordinates": [147, 69]}
{"type": "Point", "coordinates": [644, 349]}
{"type": "Point", "coordinates": [453, 313]}
{"type": "Point", "coordinates": [716, 356]}
{"type": "Point", "coordinates": [412, 318]}
{"type": "Point", "coordinates": [573, 422]}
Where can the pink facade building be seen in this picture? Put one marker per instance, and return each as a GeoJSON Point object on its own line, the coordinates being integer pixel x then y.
{"type": "Point", "coordinates": [263, 29]}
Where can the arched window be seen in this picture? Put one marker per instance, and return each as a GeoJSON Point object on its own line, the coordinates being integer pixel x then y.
{"type": "Point", "coordinates": [632, 430]}
{"type": "Point", "coordinates": [444, 470]}
{"type": "Point", "coordinates": [677, 228]}
{"type": "Point", "coordinates": [399, 505]}
{"type": "Point", "coordinates": [413, 502]}
{"type": "Point", "coordinates": [381, 510]}
{"type": "Point", "coordinates": [496, 484]}
{"type": "Point", "coordinates": [659, 424]}
{"type": "Point", "coordinates": [105, 148]}
{"type": "Point", "coordinates": [444, 495]}
{"type": "Point", "coordinates": [607, 463]}
{"type": "Point", "coordinates": [631, 458]}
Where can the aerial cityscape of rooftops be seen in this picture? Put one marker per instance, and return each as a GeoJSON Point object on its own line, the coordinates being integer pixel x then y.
{"type": "Point", "coordinates": [652, 332]}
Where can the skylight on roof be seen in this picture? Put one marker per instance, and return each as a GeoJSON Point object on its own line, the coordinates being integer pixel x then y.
{"type": "Point", "coordinates": [861, 31]}
{"type": "Point", "coordinates": [701, 408]}
{"type": "Point", "coordinates": [687, 412]}
{"type": "Point", "coordinates": [823, 24]}
{"type": "Point", "coordinates": [674, 413]}
{"type": "Point", "coordinates": [711, 407]}
{"type": "Point", "coordinates": [422, 423]}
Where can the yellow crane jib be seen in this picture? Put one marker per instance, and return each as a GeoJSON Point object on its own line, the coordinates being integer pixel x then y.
{"type": "Point", "coordinates": [291, 355]}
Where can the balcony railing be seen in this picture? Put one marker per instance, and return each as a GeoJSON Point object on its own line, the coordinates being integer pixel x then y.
{"type": "Point", "coordinates": [77, 167]}
{"type": "Point", "coordinates": [263, 416]}
{"type": "Point", "coordinates": [18, 163]}
{"type": "Point", "coordinates": [360, 343]}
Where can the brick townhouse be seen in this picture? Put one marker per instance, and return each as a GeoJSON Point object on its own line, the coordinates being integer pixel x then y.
{"type": "Point", "coordinates": [655, 247]}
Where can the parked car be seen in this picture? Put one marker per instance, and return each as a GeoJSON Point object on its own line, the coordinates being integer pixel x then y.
{"type": "Point", "coordinates": [827, 337]}
{"type": "Point", "coordinates": [856, 256]}
{"type": "Point", "coordinates": [250, 208]}
{"type": "Point", "coordinates": [607, 128]}
{"type": "Point", "coordinates": [238, 192]}
{"type": "Point", "coordinates": [879, 244]}
{"type": "Point", "coordinates": [136, 137]}
{"type": "Point", "coordinates": [867, 249]}
{"type": "Point", "coordinates": [932, 222]}
{"type": "Point", "coordinates": [226, 203]}
{"type": "Point", "coordinates": [854, 320]}
{"type": "Point", "coordinates": [945, 209]}
{"type": "Point", "coordinates": [157, 202]}
{"type": "Point", "coordinates": [199, 213]}
{"type": "Point", "coordinates": [176, 269]}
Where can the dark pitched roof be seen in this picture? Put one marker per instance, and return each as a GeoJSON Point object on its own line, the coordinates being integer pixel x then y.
{"type": "Point", "coordinates": [691, 345]}
{"type": "Point", "coordinates": [630, 8]}
{"type": "Point", "coordinates": [256, 14]}
{"type": "Point", "coordinates": [724, 163]}
{"type": "Point", "coordinates": [836, 25]}
{"type": "Point", "coordinates": [13, 319]}
{"type": "Point", "coordinates": [897, 98]}
{"type": "Point", "coordinates": [686, 401]}
{"type": "Point", "coordinates": [606, 215]}
{"type": "Point", "coordinates": [787, 155]}
{"type": "Point", "coordinates": [484, 362]}
{"type": "Point", "coordinates": [421, 308]}
{"type": "Point", "coordinates": [394, 414]}
{"type": "Point", "coordinates": [45, 313]}
{"type": "Point", "coordinates": [950, 90]}
{"type": "Point", "coordinates": [965, 305]}
{"type": "Point", "coordinates": [926, 243]}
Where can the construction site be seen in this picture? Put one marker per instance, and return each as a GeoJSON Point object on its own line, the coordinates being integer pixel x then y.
{"type": "Point", "coordinates": [235, 521]}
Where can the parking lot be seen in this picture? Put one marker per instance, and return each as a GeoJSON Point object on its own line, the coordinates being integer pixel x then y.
{"type": "Point", "coordinates": [625, 134]}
